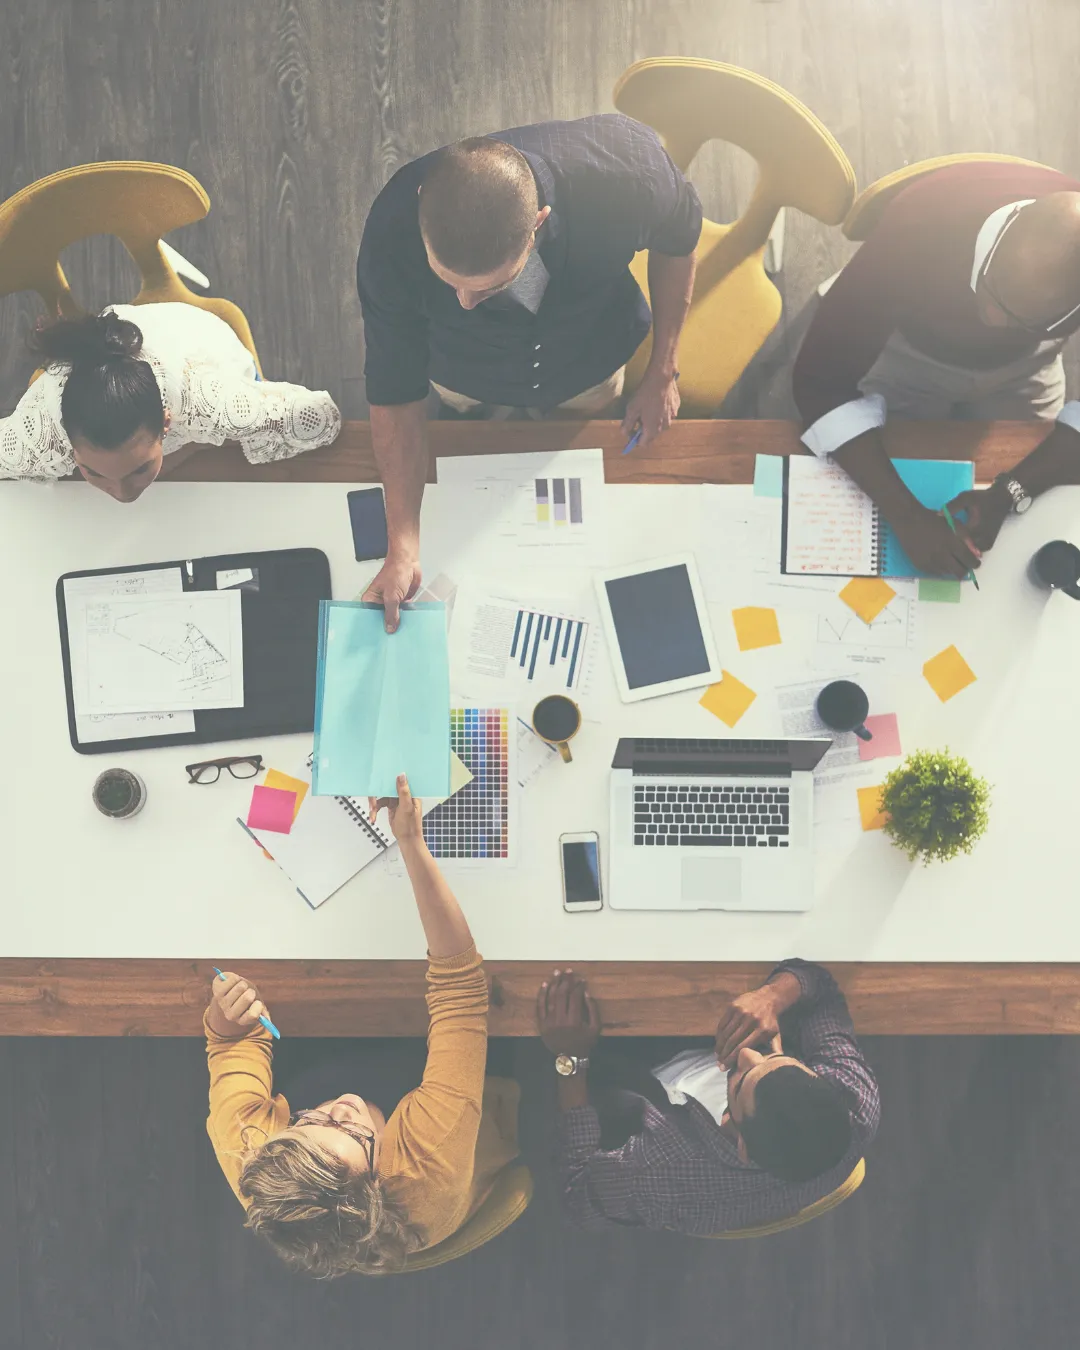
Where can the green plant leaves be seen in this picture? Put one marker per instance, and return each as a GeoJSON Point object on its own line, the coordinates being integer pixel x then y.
{"type": "Point", "coordinates": [936, 806]}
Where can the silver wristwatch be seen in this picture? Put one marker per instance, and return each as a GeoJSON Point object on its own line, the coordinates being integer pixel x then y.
{"type": "Point", "coordinates": [1020, 500]}
{"type": "Point", "coordinates": [570, 1064]}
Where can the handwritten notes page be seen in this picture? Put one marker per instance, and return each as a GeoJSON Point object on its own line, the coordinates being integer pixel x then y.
{"type": "Point", "coordinates": [831, 524]}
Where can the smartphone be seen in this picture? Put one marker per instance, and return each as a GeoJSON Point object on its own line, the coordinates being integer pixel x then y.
{"type": "Point", "coordinates": [581, 872]}
{"type": "Point", "coordinates": [367, 514]}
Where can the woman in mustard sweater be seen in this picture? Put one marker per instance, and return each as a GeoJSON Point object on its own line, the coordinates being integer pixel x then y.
{"type": "Point", "coordinates": [352, 1184]}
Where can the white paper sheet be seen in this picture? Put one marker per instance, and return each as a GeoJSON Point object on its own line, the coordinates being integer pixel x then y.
{"type": "Point", "coordinates": [841, 770]}
{"type": "Point", "coordinates": [160, 653]}
{"type": "Point", "coordinates": [831, 524]}
{"type": "Point", "coordinates": [95, 727]}
{"type": "Point", "coordinates": [534, 755]}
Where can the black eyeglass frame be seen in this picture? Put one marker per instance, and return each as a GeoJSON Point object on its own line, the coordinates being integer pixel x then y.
{"type": "Point", "coordinates": [357, 1132]}
{"type": "Point", "coordinates": [193, 770]}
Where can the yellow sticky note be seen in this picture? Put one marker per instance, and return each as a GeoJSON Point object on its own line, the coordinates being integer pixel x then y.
{"type": "Point", "coordinates": [867, 596]}
{"type": "Point", "coordinates": [870, 812]}
{"type": "Point", "coordinates": [276, 779]}
{"type": "Point", "coordinates": [755, 628]}
{"type": "Point", "coordinates": [727, 700]}
{"type": "Point", "coordinates": [948, 673]}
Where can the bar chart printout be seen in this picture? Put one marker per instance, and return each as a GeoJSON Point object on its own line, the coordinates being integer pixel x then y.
{"type": "Point", "coordinates": [548, 645]}
{"type": "Point", "coordinates": [558, 502]}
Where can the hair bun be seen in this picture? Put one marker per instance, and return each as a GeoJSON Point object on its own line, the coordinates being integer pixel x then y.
{"type": "Point", "coordinates": [119, 338]}
{"type": "Point", "coordinates": [94, 340]}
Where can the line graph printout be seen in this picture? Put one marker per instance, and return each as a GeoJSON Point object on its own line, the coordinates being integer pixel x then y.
{"type": "Point", "coordinates": [161, 653]}
{"type": "Point", "coordinates": [887, 639]}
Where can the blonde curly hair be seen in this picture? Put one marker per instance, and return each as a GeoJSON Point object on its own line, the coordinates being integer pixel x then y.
{"type": "Point", "coordinates": [319, 1215]}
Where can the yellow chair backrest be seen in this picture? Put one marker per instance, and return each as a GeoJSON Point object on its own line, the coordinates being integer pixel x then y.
{"type": "Point", "coordinates": [137, 202]}
{"type": "Point", "coordinates": [814, 1211]}
{"type": "Point", "coordinates": [872, 201]}
{"type": "Point", "coordinates": [690, 101]}
{"type": "Point", "coordinates": [507, 1200]}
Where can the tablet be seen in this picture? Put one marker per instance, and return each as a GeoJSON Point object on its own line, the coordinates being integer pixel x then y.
{"type": "Point", "coordinates": [657, 626]}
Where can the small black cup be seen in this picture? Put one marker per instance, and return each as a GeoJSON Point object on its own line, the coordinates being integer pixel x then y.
{"type": "Point", "coordinates": [843, 707]}
{"type": "Point", "coordinates": [556, 719]}
{"type": "Point", "coordinates": [1056, 566]}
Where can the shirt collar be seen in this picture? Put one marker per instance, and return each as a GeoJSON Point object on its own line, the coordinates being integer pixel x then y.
{"type": "Point", "coordinates": [545, 191]}
{"type": "Point", "coordinates": [988, 235]}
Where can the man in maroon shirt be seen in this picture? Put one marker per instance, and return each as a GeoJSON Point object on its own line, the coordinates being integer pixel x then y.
{"type": "Point", "coordinates": [958, 304]}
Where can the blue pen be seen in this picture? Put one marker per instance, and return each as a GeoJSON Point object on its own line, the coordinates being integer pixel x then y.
{"type": "Point", "coordinates": [637, 434]}
{"type": "Point", "coordinates": [264, 1020]}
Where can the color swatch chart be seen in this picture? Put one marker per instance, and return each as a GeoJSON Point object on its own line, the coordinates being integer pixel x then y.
{"type": "Point", "coordinates": [545, 644]}
{"type": "Point", "coordinates": [474, 823]}
{"type": "Point", "coordinates": [558, 501]}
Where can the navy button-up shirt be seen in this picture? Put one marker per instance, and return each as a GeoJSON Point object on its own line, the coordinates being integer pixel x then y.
{"type": "Point", "coordinates": [612, 191]}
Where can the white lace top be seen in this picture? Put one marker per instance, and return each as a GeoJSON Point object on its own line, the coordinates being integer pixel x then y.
{"type": "Point", "coordinates": [207, 382]}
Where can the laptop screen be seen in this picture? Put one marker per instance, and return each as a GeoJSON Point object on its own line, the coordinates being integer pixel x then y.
{"type": "Point", "coordinates": [656, 622]}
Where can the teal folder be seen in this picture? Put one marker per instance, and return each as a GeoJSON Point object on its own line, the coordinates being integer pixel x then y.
{"type": "Point", "coordinates": [382, 701]}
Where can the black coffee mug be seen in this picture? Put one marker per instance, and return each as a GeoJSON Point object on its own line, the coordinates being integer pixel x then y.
{"type": "Point", "coordinates": [843, 707]}
{"type": "Point", "coordinates": [556, 719]}
{"type": "Point", "coordinates": [1057, 566]}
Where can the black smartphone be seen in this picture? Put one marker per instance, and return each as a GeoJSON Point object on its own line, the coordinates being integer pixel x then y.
{"type": "Point", "coordinates": [367, 515]}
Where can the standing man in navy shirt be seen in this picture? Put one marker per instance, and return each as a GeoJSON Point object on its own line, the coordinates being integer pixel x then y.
{"type": "Point", "coordinates": [497, 271]}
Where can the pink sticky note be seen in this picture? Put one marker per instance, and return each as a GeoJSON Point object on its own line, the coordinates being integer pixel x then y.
{"type": "Point", "coordinates": [272, 809]}
{"type": "Point", "coordinates": [886, 736]}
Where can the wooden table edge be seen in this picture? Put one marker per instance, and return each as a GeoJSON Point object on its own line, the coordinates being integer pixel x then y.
{"type": "Point", "coordinates": [134, 997]}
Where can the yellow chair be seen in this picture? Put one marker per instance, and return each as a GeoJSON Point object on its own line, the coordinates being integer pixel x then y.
{"type": "Point", "coordinates": [871, 202]}
{"type": "Point", "coordinates": [507, 1200]}
{"type": "Point", "coordinates": [814, 1211]}
{"type": "Point", "coordinates": [734, 306]}
{"type": "Point", "coordinates": [136, 202]}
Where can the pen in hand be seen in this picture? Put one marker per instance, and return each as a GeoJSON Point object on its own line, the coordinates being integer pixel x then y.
{"type": "Point", "coordinates": [637, 434]}
{"type": "Point", "coordinates": [264, 1020]}
{"type": "Point", "coordinates": [952, 526]}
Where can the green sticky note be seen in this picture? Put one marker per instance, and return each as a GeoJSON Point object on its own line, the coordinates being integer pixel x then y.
{"type": "Point", "coordinates": [943, 590]}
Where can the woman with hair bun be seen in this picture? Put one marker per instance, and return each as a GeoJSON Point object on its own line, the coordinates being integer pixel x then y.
{"type": "Point", "coordinates": [124, 392]}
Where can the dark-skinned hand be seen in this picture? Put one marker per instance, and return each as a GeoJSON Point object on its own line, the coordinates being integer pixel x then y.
{"type": "Point", "coordinates": [931, 545]}
{"type": "Point", "coordinates": [566, 1016]}
{"type": "Point", "coordinates": [986, 509]}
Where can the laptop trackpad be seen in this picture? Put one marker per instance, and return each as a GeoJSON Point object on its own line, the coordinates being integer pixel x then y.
{"type": "Point", "coordinates": [711, 883]}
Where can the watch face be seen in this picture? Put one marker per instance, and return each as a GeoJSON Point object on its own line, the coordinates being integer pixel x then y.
{"type": "Point", "coordinates": [564, 1065]}
{"type": "Point", "coordinates": [1022, 504]}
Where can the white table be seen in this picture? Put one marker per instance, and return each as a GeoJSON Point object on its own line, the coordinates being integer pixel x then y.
{"type": "Point", "coordinates": [181, 878]}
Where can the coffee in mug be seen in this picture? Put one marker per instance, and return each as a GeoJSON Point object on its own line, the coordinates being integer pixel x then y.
{"type": "Point", "coordinates": [843, 706]}
{"type": "Point", "coordinates": [556, 719]}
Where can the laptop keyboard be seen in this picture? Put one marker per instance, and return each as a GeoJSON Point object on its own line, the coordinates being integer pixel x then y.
{"type": "Point", "coordinates": [708, 814]}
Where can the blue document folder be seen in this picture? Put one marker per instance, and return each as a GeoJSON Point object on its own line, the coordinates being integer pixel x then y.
{"type": "Point", "coordinates": [382, 701]}
{"type": "Point", "coordinates": [934, 482]}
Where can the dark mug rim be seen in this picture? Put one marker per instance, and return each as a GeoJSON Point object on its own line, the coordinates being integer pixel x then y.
{"type": "Point", "coordinates": [562, 700]}
{"type": "Point", "coordinates": [854, 721]}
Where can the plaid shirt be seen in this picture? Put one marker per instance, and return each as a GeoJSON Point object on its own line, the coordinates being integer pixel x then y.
{"type": "Point", "coordinates": [612, 191]}
{"type": "Point", "coordinates": [684, 1174]}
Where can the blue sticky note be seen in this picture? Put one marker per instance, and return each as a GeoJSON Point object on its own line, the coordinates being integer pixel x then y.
{"type": "Point", "coordinates": [382, 701]}
{"type": "Point", "coordinates": [769, 476]}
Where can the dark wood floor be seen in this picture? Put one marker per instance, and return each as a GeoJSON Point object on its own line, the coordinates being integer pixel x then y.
{"type": "Point", "coordinates": [294, 113]}
{"type": "Point", "coordinates": [117, 1231]}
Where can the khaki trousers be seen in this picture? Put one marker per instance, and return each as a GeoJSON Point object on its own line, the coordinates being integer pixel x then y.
{"type": "Point", "coordinates": [589, 402]}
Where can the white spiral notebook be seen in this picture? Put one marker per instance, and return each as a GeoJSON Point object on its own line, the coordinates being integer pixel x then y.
{"type": "Point", "coordinates": [332, 839]}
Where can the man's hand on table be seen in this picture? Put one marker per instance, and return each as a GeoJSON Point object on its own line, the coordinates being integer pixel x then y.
{"type": "Point", "coordinates": [235, 1006]}
{"type": "Point", "coordinates": [985, 511]}
{"type": "Point", "coordinates": [654, 404]}
{"type": "Point", "coordinates": [753, 1019]}
{"type": "Point", "coordinates": [569, 1024]}
{"type": "Point", "coordinates": [931, 545]}
{"type": "Point", "coordinates": [398, 580]}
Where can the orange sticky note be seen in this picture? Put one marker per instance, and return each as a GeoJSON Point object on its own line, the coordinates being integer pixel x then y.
{"type": "Point", "coordinates": [755, 628]}
{"type": "Point", "coordinates": [276, 779]}
{"type": "Point", "coordinates": [867, 596]}
{"type": "Point", "coordinates": [870, 812]}
{"type": "Point", "coordinates": [727, 700]}
{"type": "Point", "coordinates": [948, 673]}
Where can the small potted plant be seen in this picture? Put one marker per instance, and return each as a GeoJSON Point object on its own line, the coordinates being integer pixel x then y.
{"type": "Point", "coordinates": [935, 806]}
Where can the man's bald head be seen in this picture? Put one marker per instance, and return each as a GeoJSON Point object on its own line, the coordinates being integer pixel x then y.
{"type": "Point", "coordinates": [1035, 273]}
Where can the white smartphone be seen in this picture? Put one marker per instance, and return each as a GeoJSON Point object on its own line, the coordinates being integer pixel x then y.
{"type": "Point", "coordinates": [580, 872]}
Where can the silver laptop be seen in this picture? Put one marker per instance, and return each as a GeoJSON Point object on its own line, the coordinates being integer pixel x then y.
{"type": "Point", "coordinates": [701, 824]}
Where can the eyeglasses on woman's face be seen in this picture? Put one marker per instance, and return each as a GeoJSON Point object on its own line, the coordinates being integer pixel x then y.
{"type": "Point", "coordinates": [360, 1133]}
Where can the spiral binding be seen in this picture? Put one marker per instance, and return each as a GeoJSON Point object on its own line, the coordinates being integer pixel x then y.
{"type": "Point", "coordinates": [359, 815]}
{"type": "Point", "coordinates": [879, 543]}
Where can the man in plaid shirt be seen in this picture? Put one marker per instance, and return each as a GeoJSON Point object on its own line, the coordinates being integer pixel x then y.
{"type": "Point", "coordinates": [793, 1123]}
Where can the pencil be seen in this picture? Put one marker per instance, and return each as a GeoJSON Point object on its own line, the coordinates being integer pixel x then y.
{"type": "Point", "coordinates": [952, 526]}
{"type": "Point", "coordinates": [264, 1020]}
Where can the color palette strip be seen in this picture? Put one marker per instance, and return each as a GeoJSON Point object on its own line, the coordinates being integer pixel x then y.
{"type": "Point", "coordinates": [474, 823]}
{"type": "Point", "coordinates": [558, 501]}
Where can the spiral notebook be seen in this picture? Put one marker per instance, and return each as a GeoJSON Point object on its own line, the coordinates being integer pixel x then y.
{"type": "Point", "coordinates": [832, 528]}
{"type": "Point", "coordinates": [332, 839]}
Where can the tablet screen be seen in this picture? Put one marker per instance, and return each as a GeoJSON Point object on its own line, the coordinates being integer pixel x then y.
{"type": "Point", "coordinates": [656, 621]}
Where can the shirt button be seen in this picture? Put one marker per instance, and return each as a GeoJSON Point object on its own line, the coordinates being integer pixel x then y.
{"type": "Point", "coordinates": [536, 365]}
{"type": "Point", "coordinates": [536, 386]}
{"type": "Point", "coordinates": [537, 347]}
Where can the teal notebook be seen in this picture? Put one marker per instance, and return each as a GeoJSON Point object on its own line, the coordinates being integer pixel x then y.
{"type": "Point", "coordinates": [832, 528]}
{"type": "Point", "coordinates": [382, 701]}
